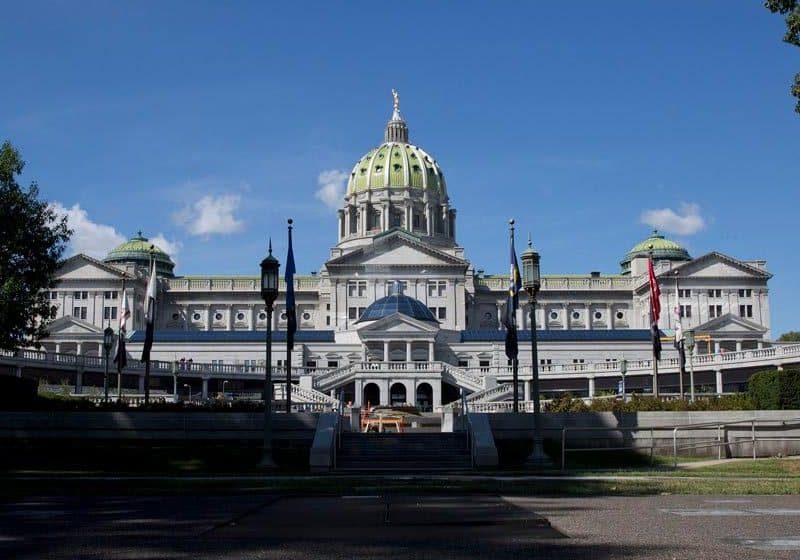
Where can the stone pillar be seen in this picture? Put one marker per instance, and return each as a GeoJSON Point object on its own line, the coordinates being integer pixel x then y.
{"type": "Point", "coordinates": [499, 316]}
{"type": "Point", "coordinates": [186, 318]}
{"type": "Point", "coordinates": [431, 354]}
{"type": "Point", "coordinates": [384, 386]}
{"type": "Point", "coordinates": [205, 388]}
{"type": "Point", "coordinates": [385, 350]}
{"type": "Point", "coordinates": [718, 375]}
{"type": "Point", "coordinates": [340, 224]}
{"type": "Point", "coordinates": [445, 221]}
{"type": "Point", "coordinates": [79, 382]}
{"type": "Point", "coordinates": [591, 386]}
{"type": "Point", "coordinates": [58, 348]}
{"type": "Point", "coordinates": [759, 345]}
{"type": "Point", "coordinates": [588, 315]}
{"type": "Point", "coordinates": [527, 393]}
{"type": "Point", "coordinates": [230, 317]}
{"type": "Point", "coordinates": [100, 349]}
{"type": "Point", "coordinates": [716, 347]}
{"type": "Point", "coordinates": [141, 383]}
{"type": "Point", "coordinates": [358, 398]}
{"type": "Point", "coordinates": [738, 345]}
{"type": "Point", "coordinates": [209, 318]}
{"type": "Point", "coordinates": [436, 400]}
{"type": "Point", "coordinates": [385, 216]}
{"type": "Point", "coordinates": [408, 350]}
{"type": "Point", "coordinates": [347, 221]}
{"type": "Point", "coordinates": [78, 348]}
{"type": "Point", "coordinates": [609, 317]}
{"type": "Point", "coordinates": [567, 318]}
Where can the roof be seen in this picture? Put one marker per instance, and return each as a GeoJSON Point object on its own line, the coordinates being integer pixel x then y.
{"type": "Point", "coordinates": [660, 247]}
{"type": "Point", "coordinates": [397, 303]}
{"type": "Point", "coordinates": [139, 250]}
{"type": "Point", "coordinates": [232, 336]}
{"type": "Point", "coordinates": [626, 335]}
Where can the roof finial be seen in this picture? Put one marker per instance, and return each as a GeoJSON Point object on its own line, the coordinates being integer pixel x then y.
{"type": "Point", "coordinates": [530, 242]}
{"type": "Point", "coordinates": [270, 245]}
{"type": "Point", "coordinates": [396, 105]}
{"type": "Point", "coordinates": [139, 233]}
{"type": "Point", "coordinates": [396, 129]}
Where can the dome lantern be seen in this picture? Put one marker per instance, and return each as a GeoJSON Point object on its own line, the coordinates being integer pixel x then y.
{"type": "Point", "coordinates": [138, 251]}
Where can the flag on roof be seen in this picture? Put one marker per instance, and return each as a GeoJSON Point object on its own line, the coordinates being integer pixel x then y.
{"type": "Point", "coordinates": [149, 313]}
{"type": "Point", "coordinates": [655, 308]}
{"type": "Point", "coordinates": [291, 306]}
{"type": "Point", "coordinates": [121, 358]}
{"type": "Point", "coordinates": [514, 286]}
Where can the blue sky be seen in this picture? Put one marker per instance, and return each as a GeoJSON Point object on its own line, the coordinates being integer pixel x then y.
{"type": "Point", "coordinates": [207, 124]}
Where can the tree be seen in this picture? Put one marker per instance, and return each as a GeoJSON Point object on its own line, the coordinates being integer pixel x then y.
{"type": "Point", "coordinates": [791, 336]}
{"type": "Point", "coordinates": [792, 8]}
{"type": "Point", "coordinates": [32, 240]}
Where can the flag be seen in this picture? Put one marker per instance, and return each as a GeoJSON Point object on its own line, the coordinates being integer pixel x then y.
{"type": "Point", "coordinates": [121, 359]}
{"type": "Point", "coordinates": [514, 286]}
{"type": "Point", "coordinates": [679, 332]}
{"type": "Point", "coordinates": [149, 313]}
{"type": "Point", "coordinates": [655, 309]}
{"type": "Point", "coordinates": [291, 311]}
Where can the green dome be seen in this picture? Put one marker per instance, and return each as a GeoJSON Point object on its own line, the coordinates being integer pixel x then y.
{"type": "Point", "coordinates": [396, 165]}
{"type": "Point", "coordinates": [139, 250]}
{"type": "Point", "coordinates": [662, 249]}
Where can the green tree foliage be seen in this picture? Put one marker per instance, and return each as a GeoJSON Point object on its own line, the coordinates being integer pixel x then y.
{"type": "Point", "coordinates": [791, 8]}
{"type": "Point", "coordinates": [32, 240]}
{"type": "Point", "coordinates": [775, 390]}
{"type": "Point", "coordinates": [791, 336]}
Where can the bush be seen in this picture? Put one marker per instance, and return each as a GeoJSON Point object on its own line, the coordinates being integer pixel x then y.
{"type": "Point", "coordinates": [645, 403]}
{"type": "Point", "coordinates": [775, 390]}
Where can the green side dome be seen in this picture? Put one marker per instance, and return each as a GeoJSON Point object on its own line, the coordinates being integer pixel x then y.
{"type": "Point", "coordinates": [662, 249]}
{"type": "Point", "coordinates": [138, 250]}
{"type": "Point", "coordinates": [396, 165]}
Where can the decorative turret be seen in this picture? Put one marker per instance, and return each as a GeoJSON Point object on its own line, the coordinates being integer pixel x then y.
{"type": "Point", "coordinates": [396, 128]}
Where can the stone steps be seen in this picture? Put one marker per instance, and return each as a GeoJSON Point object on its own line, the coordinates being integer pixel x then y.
{"type": "Point", "coordinates": [392, 452]}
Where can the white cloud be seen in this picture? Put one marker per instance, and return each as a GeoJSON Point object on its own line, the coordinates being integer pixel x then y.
{"type": "Point", "coordinates": [88, 237]}
{"type": "Point", "coordinates": [171, 248]}
{"type": "Point", "coordinates": [211, 214]}
{"type": "Point", "coordinates": [331, 187]}
{"type": "Point", "coordinates": [685, 222]}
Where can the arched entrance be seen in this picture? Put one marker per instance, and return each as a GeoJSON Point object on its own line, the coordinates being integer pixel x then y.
{"type": "Point", "coordinates": [424, 399]}
{"type": "Point", "coordinates": [397, 394]}
{"type": "Point", "coordinates": [372, 395]}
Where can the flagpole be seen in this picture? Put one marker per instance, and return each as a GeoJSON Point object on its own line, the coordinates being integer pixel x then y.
{"type": "Point", "coordinates": [678, 342]}
{"type": "Point", "coordinates": [653, 325]}
{"type": "Point", "coordinates": [289, 325]}
{"type": "Point", "coordinates": [147, 361]}
{"type": "Point", "coordinates": [124, 301]}
{"type": "Point", "coordinates": [515, 359]}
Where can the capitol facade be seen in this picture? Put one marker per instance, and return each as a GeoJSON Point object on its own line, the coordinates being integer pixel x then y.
{"type": "Point", "coordinates": [398, 314]}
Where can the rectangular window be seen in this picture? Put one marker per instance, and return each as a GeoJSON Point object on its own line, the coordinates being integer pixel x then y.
{"type": "Point", "coordinates": [333, 363]}
{"type": "Point", "coordinates": [578, 360]}
{"type": "Point", "coordinates": [357, 288]}
{"type": "Point", "coordinates": [327, 307]}
{"type": "Point", "coordinates": [684, 293]}
{"type": "Point", "coordinates": [353, 313]}
{"type": "Point", "coordinates": [79, 312]}
{"type": "Point", "coordinates": [545, 362]}
{"type": "Point", "coordinates": [442, 313]}
{"type": "Point", "coordinates": [328, 320]}
{"type": "Point", "coordinates": [746, 293]}
{"type": "Point", "coordinates": [110, 295]}
{"type": "Point", "coordinates": [53, 295]}
{"type": "Point", "coordinates": [715, 293]}
{"type": "Point", "coordinates": [109, 313]}
{"type": "Point", "coordinates": [714, 311]}
{"type": "Point", "coordinates": [484, 364]}
{"type": "Point", "coordinates": [311, 363]}
{"type": "Point", "coordinates": [463, 363]}
{"type": "Point", "coordinates": [437, 288]}
{"type": "Point", "coordinates": [746, 311]}
{"type": "Point", "coordinates": [80, 295]}
{"type": "Point", "coordinates": [686, 310]}
{"type": "Point", "coordinates": [396, 287]}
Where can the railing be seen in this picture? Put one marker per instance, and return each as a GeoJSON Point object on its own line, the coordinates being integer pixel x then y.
{"type": "Point", "coordinates": [487, 394]}
{"type": "Point", "coordinates": [470, 381]}
{"type": "Point", "coordinates": [718, 441]}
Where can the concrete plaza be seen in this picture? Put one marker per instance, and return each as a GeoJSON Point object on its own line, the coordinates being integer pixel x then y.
{"type": "Point", "coordinates": [400, 527]}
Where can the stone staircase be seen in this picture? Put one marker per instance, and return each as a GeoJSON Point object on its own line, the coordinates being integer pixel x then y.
{"type": "Point", "coordinates": [403, 452]}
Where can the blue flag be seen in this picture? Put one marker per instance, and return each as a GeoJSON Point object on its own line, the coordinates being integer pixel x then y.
{"type": "Point", "coordinates": [514, 286]}
{"type": "Point", "coordinates": [291, 308]}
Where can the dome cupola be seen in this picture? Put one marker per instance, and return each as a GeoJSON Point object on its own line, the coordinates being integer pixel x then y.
{"type": "Point", "coordinates": [661, 248]}
{"type": "Point", "coordinates": [138, 251]}
{"type": "Point", "coordinates": [397, 303]}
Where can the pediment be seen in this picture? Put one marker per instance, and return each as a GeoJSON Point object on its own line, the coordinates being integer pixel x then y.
{"type": "Point", "coordinates": [731, 324]}
{"type": "Point", "coordinates": [397, 324]}
{"type": "Point", "coordinates": [396, 249]}
{"type": "Point", "coordinates": [72, 326]}
{"type": "Point", "coordinates": [83, 267]}
{"type": "Point", "coordinates": [717, 265]}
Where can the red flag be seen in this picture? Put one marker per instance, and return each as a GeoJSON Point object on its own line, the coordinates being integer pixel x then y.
{"type": "Point", "coordinates": [655, 292]}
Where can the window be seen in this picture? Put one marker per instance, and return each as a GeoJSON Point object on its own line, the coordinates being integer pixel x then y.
{"type": "Point", "coordinates": [357, 288]}
{"type": "Point", "coordinates": [333, 363]}
{"type": "Point", "coordinates": [328, 320]}
{"type": "Point", "coordinates": [620, 315]}
{"type": "Point", "coordinates": [746, 293]}
{"type": "Point", "coordinates": [437, 288]}
{"type": "Point", "coordinates": [53, 295]}
{"type": "Point", "coordinates": [80, 295]}
{"type": "Point", "coordinates": [553, 315]}
{"type": "Point", "coordinates": [311, 363]}
{"type": "Point", "coordinates": [239, 316]}
{"type": "Point", "coordinates": [353, 313]}
{"type": "Point", "coordinates": [576, 315]}
{"type": "Point", "coordinates": [484, 364]}
{"type": "Point", "coordinates": [217, 316]}
{"type": "Point", "coordinates": [714, 311]}
{"type": "Point", "coordinates": [109, 313]}
{"type": "Point", "coordinates": [684, 293]}
{"type": "Point", "coordinates": [716, 293]}
{"type": "Point", "coordinates": [545, 362]}
{"type": "Point", "coordinates": [327, 307]}
{"type": "Point", "coordinates": [686, 310]}
{"type": "Point", "coordinates": [578, 360]}
{"type": "Point", "coordinates": [598, 315]}
{"type": "Point", "coordinates": [306, 316]}
{"type": "Point", "coordinates": [396, 287]}
{"type": "Point", "coordinates": [196, 316]}
{"type": "Point", "coordinates": [79, 312]}
{"type": "Point", "coordinates": [249, 365]}
{"type": "Point", "coordinates": [463, 363]}
{"type": "Point", "coordinates": [261, 316]}
{"type": "Point", "coordinates": [746, 311]}
{"type": "Point", "coordinates": [109, 295]}
{"type": "Point", "coordinates": [442, 313]}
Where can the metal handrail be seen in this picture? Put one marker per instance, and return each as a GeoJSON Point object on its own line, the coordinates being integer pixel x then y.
{"type": "Point", "coordinates": [717, 442]}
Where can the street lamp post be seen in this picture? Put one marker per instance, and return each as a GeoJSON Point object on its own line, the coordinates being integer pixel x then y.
{"type": "Point", "coordinates": [531, 282]}
{"type": "Point", "coordinates": [223, 388]}
{"type": "Point", "coordinates": [188, 391]}
{"type": "Point", "coordinates": [175, 380]}
{"type": "Point", "coordinates": [623, 369]}
{"type": "Point", "coordinates": [269, 292]}
{"type": "Point", "coordinates": [688, 343]}
{"type": "Point", "coordinates": [108, 342]}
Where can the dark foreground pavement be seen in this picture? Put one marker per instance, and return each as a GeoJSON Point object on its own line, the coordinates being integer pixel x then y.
{"type": "Point", "coordinates": [400, 527]}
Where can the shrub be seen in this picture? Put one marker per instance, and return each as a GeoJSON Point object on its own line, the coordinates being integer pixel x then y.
{"type": "Point", "coordinates": [775, 390]}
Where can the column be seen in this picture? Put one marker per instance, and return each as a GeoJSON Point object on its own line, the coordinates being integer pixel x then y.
{"type": "Point", "coordinates": [384, 386]}
{"type": "Point", "coordinates": [79, 382]}
{"type": "Point", "coordinates": [760, 345]}
{"type": "Point", "coordinates": [347, 221]}
{"type": "Point", "coordinates": [437, 396]}
{"type": "Point", "coordinates": [58, 348]}
{"type": "Point", "coordinates": [431, 356]}
{"type": "Point", "coordinates": [499, 316]}
{"type": "Point", "coordinates": [208, 317]}
{"type": "Point", "coordinates": [78, 348]}
{"type": "Point", "coordinates": [359, 389]}
{"type": "Point", "coordinates": [141, 383]}
{"type": "Point", "coordinates": [718, 375]}
{"type": "Point", "coordinates": [385, 350]}
{"type": "Point", "coordinates": [567, 318]}
{"type": "Point", "coordinates": [100, 350]}
{"type": "Point", "coordinates": [445, 221]}
{"type": "Point", "coordinates": [186, 318]}
{"type": "Point", "coordinates": [609, 317]}
{"type": "Point", "coordinates": [738, 345]}
{"type": "Point", "coordinates": [364, 217]}
{"type": "Point", "coordinates": [340, 224]}
{"type": "Point", "coordinates": [408, 350]}
{"type": "Point", "coordinates": [385, 216]}
{"type": "Point", "coordinates": [589, 317]}
{"type": "Point", "coordinates": [252, 317]}
{"type": "Point", "coordinates": [591, 387]}
{"type": "Point", "coordinates": [429, 219]}
{"type": "Point", "coordinates": [205, 388]}
{"type": "Point", "coordinates": [526, 395]}
{"type": "Point", "coordinates": [716, 347]}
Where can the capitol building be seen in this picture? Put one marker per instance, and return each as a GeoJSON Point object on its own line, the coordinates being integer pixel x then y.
{"type": "Point", "coordinates": [399, 314]}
